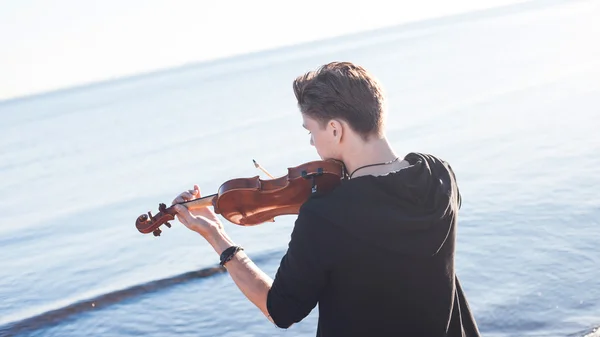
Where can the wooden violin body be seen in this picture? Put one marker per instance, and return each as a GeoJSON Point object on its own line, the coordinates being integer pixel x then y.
{"type": "Point", "coordinates": [252, 201]}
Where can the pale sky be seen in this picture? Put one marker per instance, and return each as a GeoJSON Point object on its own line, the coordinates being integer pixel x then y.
{"type": "Point", "coordinates": [52, 44]}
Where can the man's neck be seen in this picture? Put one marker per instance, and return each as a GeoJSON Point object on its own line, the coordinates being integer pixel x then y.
{"type": "Point", "coordinates": [374, 151]}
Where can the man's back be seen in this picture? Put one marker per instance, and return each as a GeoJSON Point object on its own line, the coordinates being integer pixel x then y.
{"type": "Point", "coordinates": [377, 254]}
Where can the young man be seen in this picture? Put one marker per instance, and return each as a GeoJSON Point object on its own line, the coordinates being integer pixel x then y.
{"type": "Point", "coordinates": [377, 253]}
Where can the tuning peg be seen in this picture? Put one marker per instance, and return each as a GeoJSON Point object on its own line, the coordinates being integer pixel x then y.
{"type": "Point", "coordinates": [157, 232]}
{"type": "Point", "coordinates": [168, 224]}
{"type": "Point", "coordinates": [150, 215]}
{"type": "Point", "coordinates": [162, 207]}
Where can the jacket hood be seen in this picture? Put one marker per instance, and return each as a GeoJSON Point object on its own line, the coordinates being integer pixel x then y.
{"type": "Point", "coordinates": [411, 211]}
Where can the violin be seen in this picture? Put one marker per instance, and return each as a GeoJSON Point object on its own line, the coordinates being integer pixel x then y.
{"type": "Point", "coordinates": [253, 201]}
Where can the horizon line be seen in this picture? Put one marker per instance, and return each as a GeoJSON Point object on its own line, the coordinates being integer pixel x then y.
{"type": "Point", "coordinates": [440, 20]}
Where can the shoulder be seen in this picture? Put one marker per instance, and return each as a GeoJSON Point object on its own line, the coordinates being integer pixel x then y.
{"type": "Point", "coordinates": [318, 204]}
{"type": "Point", "coordinates": [321, 208]}
{"type": "Point", "coordinates": [329, 210]}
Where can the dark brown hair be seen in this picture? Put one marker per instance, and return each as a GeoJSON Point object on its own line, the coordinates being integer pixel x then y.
{"type": "Point", "coordinates": [342, 90]}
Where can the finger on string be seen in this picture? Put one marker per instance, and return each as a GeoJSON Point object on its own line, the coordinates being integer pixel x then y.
{"type": "Point", "coordinates": [184, 213]}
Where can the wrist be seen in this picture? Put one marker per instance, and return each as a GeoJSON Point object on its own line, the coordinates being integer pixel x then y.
{"type": "Point", "coordinates": [219, 240]}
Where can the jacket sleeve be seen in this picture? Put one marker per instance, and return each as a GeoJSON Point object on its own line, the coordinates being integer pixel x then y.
{"type": "Point", "coordinates": [302, 274]}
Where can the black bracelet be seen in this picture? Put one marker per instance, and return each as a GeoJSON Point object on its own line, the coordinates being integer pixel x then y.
{"type": "Point", "coordinates": [228, 254]}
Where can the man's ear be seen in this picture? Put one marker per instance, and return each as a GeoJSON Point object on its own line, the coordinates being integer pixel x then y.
{"type": "Point", "coordinates": [337, 129]}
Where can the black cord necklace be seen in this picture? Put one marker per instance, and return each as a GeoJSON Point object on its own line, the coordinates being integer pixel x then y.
{"type": "Point", "coordinates": [362, 167]}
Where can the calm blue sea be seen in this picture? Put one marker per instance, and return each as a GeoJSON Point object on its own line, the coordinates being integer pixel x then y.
{"type": "Point", "coordinates": [510, 97]}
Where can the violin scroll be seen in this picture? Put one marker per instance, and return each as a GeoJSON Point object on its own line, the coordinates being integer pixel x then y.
{"type": "Point", "coordinates": [148, 223]}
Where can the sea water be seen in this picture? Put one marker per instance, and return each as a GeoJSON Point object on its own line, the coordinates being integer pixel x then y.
{"type": "Point", "coordinates": [510, 97]}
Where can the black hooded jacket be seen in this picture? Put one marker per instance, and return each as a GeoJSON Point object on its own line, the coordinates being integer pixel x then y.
{"type": "Point", "coordinates": [377, 255]}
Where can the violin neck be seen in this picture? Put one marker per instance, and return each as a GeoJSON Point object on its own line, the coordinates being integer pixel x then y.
{"type": "Point", "coordinates": [199, 203]}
